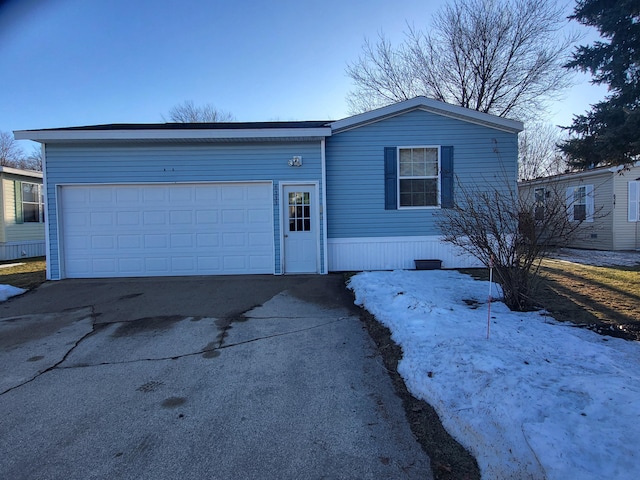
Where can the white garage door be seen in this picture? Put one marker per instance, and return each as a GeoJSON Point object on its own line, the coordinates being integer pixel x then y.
{"type": "Point", "coordinates": [159, 230]}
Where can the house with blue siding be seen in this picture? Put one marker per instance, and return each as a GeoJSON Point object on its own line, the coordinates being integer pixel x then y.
{"type": "Point", "coordinates": [362, 193]}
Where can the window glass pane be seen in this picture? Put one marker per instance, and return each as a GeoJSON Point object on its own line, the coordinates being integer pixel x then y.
{"type": "Point", "coordinates": [579, 212]}
{"type": "Point", "coordinates": [298, 212]}
{"type": "Point", "coordinates": [306, 212]}
{"type": "Point", "coordinates": [30, 212]}
{"type": "Point", "coordinates": [579, 195]}
{"type": "Point", "coordinates": [306, 198]}
{"type": "Point", "coordinates": [299, 225]}
{"type": "Point", "coordinates": [292, 225]}
{"type": "Point", "coordinates": [419, 192]}
{"type": "Point", "coordinates": [307, 225]}
{"type": "Point", "coordinates": [405, 162]}
{"type": "Point", "coordinates": [292, 199]}
{"type": "Point", "coordinates": [292, 212]}
{"type": "Point", "coordinates": [30, 192]}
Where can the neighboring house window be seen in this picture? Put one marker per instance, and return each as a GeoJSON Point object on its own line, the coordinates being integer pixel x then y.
{"type": "Point", "coordinates": [580, 203]}
{"type": "Point", "coordinates": [32, 203]}
{"type": "Point", "coordinates": [634, 201]}
{"type": "Point", "coordinates": [539, 196]}
{"type": "Point", "coordinates": [419, 177]}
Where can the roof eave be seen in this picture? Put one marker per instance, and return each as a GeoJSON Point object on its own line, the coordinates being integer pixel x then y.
{"type": "Point", "coordinates": [20, 171]}
{"type": "Point", "coordinates": [430, 105]}
{"type": "Point", "coordinates": [59, 136]}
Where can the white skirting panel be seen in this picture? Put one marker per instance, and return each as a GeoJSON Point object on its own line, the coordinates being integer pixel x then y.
{"type": "Point", "coordinates": [14, 250]}
{"type": "Point", "coordinates": [394, 253]}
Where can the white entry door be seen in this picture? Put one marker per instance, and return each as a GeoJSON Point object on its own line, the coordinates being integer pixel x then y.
{"type": "Point", "coordinates": [300, 229]}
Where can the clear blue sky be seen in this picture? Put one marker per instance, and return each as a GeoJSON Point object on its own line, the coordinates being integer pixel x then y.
{"type": "Point", "coordinates": [83, 62]}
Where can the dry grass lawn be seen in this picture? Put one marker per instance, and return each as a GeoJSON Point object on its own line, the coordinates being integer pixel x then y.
{"type": "Point", "coordinates": [606, 298]}
{"type": "Point", "coordinates": [29, 275]}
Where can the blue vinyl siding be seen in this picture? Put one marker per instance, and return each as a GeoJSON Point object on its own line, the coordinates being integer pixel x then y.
{"type": "Point", "coordinates": [172, 163]}
{"type": "Point", "coordinates": [356, 173]}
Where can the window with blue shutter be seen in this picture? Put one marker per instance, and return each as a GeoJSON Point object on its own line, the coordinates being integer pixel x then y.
{"type": "Point", "coordinates": [418, 177]}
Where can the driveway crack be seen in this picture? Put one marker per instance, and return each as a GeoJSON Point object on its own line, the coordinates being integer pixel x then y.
{"type": "Point", "coordinates": [64, 357]}
{"type": "Point", "coordinates": [199, 352]}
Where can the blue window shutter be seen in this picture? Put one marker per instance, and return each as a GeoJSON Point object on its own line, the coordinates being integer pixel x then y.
{"type": "Point", "coordinates": [390, 179]}
{"type": "Point", "coordinates": [446, 176]}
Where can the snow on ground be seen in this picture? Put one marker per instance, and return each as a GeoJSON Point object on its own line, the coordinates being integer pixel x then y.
{"type": "Point", "coordinates": [597, 257]}
{"type": "Point", "coordinates": [538, 399]}
{"type": "Point", "coordinates": [7, 291]}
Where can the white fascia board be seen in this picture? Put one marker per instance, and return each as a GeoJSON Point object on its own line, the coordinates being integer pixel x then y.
{"type": "Point", "coordinates": [435, 106]}
{"type": "Point", "coordinates": [18, 171]}
{"type": "Point", "coordinates": [197, 134]}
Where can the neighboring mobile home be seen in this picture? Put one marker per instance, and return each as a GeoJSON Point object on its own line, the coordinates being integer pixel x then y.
{"type": "Point", "coordinates": [22, 232]}
{"type": "Point", "coordinates": [360, 193]}
{"type": "Point", "coordinates": [606, 200]}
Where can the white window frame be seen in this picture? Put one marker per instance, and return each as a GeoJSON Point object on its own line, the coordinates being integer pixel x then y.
{"type": "Point", "coordinates": [588, 199]}
{"type": "Point", "coordinates": [424, 177]}
{"type": "Point", "coordinates": [633, 212]}
{"type": "Point", "coordinates": [39, 203]}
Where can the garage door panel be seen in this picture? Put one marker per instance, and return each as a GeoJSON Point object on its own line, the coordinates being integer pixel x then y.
{"type": "Point", "coordinates": [153, 230]}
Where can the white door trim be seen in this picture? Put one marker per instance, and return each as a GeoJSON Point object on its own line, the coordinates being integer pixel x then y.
{"type": "Point", "coordinates": [316, 220]}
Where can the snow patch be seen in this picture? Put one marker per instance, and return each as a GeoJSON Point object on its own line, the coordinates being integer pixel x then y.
{"type": "Point", "coordinates": [539, 399]}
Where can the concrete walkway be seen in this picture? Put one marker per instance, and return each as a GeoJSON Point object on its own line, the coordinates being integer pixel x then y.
{"type": "Point", "coordinates": [194, 378]}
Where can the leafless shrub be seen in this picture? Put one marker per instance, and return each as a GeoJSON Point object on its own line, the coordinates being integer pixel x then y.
{"type": "Point", "coordinates": [510, 232]}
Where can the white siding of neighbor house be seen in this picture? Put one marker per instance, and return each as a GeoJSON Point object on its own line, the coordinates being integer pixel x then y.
{"type": "Point", "coordinates": [2, 203]}
{"type": "Point", "coordinates": [595, 235]}
{"type": "Point", "coordinates": [17, 240]}
{"type": "Point", "coordinates": [627, 234]}
{"type": "Point", "coordinates": [18, 232]}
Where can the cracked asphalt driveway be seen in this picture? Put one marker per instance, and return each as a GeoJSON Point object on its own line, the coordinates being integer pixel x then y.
{"type": "Point", "coordinates": [197, 377]}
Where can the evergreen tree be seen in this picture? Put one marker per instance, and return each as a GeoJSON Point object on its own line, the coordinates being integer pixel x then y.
{"type": "Point", "coordinates": [609, 134]}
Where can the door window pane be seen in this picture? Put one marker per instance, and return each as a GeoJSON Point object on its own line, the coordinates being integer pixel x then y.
{"type": "Point", "coordinates": [299, 212]}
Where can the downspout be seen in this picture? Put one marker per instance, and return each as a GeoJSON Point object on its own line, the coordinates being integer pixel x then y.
{"type": "Point", "coordinates": [323, 210]}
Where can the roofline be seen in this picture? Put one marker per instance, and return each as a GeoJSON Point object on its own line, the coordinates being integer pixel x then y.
{"type": "Point", "coordinates": [19, 171]}
{"type": "Point", "coordinates": [430, 105]}
{"type": "Point", "coordinates": [571, 175]}
{"type": "Point", "coordinates": [62, 135]}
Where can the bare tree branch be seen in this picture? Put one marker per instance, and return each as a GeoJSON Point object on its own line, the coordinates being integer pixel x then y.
{"type": "Point", "coordinates": [538, 152]}
{"type": "Point", "coordinates": [188, 112]}
{"type": "Point", "coordinates": [499, 57]}
{"type": "Point", "coordinates": [10, 152]}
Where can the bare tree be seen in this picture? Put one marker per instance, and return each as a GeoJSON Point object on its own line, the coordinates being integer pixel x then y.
{"type": "Point", "coordinates": [188, 112]}
{"type": "Point", "coordinates": [514, 233]}
{"type": "Point", "coordinates": [34, 160]}
{"type": "Point", "coordinates": [494, 56]}
{"type": "Point", "coordinates": [10, 152]}
{"type": "Point", "coordinates": [538, 152]}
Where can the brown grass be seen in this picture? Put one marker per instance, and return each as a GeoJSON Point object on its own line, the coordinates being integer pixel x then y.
{"type": "Point", "coordinates": [605, 298]}
{"type": "Point", "coordinates": [28, 275]}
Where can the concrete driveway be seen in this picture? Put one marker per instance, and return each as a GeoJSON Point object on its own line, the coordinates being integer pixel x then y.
{"type": "Point", "coordinates": [197, 378]}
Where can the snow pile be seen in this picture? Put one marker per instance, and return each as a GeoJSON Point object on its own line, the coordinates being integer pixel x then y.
{"type": "Point", "coordinates": [7, 291]}
{"type": "Point", "coordinates": [539, 399]}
